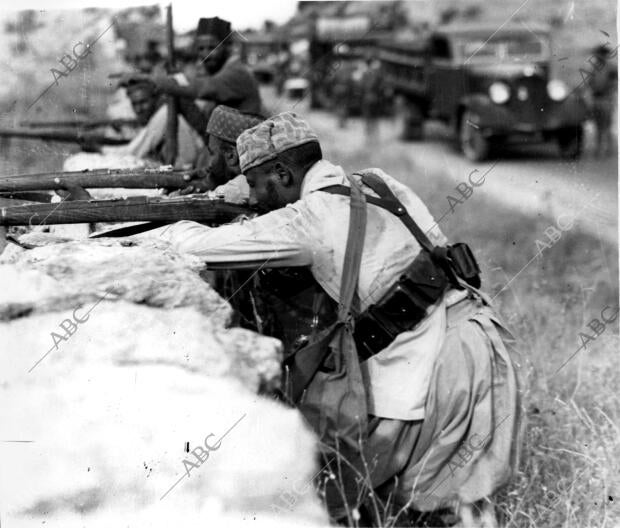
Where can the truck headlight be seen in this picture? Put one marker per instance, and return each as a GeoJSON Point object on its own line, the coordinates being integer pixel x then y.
{"type": "Point", "coordinates": [557, 90]}
{"type": "Point", "coordinates": [499, 92]}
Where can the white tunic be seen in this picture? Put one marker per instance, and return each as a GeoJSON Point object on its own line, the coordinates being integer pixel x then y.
{"type": "Point", "coordinates": [313, 231]}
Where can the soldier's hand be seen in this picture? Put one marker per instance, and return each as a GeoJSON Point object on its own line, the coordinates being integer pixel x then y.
{"type": "Point", "coordinates": [164, 83]}
{"type": "Point", "coordinates": [89, 146]}
{"type": "Point", "coordinates": [198, 182]}
{"type": "Point", "coordinates": [73, 192]}
{"type": "Point", "coordinates": [131, 78]}
{"type": "Point", "coordinates": [87, 143]}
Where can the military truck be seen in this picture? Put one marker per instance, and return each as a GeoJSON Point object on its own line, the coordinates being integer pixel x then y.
{"type": "Point", "coordinates": [490, 84]}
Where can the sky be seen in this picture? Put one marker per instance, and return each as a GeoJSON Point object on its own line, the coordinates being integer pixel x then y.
{"type": "Point", "coordinates": [242, 13]}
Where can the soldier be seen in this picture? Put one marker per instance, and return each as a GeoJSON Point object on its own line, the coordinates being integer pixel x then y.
{"type": "Point", "coordinates": [151, 58]}
{"type": "Point", "coordinates": [440, 390]}
{"type": "Point", "coordinates": [147, 62]}
{"type": "Point", "coordinates": [222, 173]}
{"type": "Point", "coordinates": [342, 92]}
{"type": "Point", "coordinates": [372, 97]}
{"type": "Point", "coordinates": [224, 79]}
{"type": "Point", "coordinates": [601, 88]}
{"type": "Point", "coordinates": [151, 115]}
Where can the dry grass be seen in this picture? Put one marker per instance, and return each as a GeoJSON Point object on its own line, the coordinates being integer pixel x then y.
{"type": "Point", "coordinates": [569, 474]}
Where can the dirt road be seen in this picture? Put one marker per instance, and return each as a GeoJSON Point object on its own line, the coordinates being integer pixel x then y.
{"type": "Point", "coordinates": [532, 179]}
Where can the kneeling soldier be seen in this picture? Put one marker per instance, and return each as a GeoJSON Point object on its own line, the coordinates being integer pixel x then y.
{"type": "Point", "coordinates": [417, 368]}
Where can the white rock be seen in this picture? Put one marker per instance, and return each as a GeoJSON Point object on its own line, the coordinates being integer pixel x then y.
{"type": "Point", "coordinates": [119, 358]}
{"type": "Point", "coordinates": [142, 271]}
{"type": "Point", "coordinates": [108, 413]}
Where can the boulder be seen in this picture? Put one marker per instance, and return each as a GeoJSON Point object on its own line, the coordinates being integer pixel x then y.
{"type": "Point", "coordinates": [84, 271]}
{"type": "Point", "coordinates": [125, 399]}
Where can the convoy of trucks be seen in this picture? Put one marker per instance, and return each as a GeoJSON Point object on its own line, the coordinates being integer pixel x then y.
{"type": "Point", "coordinates": [490, 85]}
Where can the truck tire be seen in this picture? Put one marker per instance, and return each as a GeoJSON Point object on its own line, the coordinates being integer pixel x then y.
{"type": "Point", "coordinates": [570, 142]}
{"type": "Point", "coordinates": [413, 122]}
{"type": "Point", "coordinates": [473, 144]}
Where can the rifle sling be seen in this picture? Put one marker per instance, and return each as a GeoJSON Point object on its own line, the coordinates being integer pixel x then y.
{"type": "Point", "coordinates": [387, 200]}
{"type": "Point", "coordinates": [309, 359]}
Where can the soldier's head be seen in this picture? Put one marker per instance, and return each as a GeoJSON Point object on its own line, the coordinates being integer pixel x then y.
{"type": "Point", "coordinates": [144, 100]}
{"type": "Point", "coordinates": [224, 127]}
{"type": "Point", "coordinates": [275, 156]}
{"type": "Point", "coordinates": [212, 43]}
{"type": "Point", "coordinates": [145, 62]}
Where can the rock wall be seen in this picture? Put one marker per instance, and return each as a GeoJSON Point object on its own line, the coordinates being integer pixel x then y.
{"type": "Point", "coordinates": [125, 400]}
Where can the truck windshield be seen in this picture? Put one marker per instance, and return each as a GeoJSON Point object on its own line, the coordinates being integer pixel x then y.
{"type": "Point", "coordinates": [511, 49]}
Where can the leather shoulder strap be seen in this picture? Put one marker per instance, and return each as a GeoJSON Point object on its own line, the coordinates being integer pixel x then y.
{"type": "Point", "coordinates": [382, 189]}
{"type": "Point", "coordinates": [387, 200]}
{"type": "Point", "coordinates": [353, 252]}
{"type": "Point", "coordinates": [304, 363]}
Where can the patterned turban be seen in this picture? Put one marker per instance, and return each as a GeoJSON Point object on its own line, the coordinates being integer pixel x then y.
{"type": "Point", "coordinates": [227, 123]}
{"type": "Point", "coordinates": [272, 137]}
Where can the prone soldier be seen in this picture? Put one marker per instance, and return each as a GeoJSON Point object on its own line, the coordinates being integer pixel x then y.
{"type": "Point", "coordinates": [147, 145]}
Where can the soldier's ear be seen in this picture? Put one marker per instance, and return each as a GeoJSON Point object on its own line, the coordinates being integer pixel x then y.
{"type": "Point", "coordinates": [284, 174]}
{"type": "Point", "coordinates": [231, 157]}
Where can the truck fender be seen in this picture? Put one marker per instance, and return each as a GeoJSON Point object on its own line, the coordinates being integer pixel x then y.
{"type": "Point", "coordinates": [478, 103]}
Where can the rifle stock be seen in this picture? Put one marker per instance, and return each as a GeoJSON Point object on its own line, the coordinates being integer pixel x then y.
{"type": "Point", "coordinates": [138, 208]}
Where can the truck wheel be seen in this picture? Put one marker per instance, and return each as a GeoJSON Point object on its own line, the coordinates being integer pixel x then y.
{"type": "Point", "coordinates": [413, 122]}
{"type": "Point", "coordinates": [570, 142]}
{"type": "Point", "coordinates": [473, 144]}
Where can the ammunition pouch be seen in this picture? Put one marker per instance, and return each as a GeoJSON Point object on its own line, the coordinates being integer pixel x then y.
{"type": "Point", "coordinates": [406, 303]}
{"type": "Point", "coordinates": [458, 261]}
{"type": "Point", "coordinates": [402, 307]}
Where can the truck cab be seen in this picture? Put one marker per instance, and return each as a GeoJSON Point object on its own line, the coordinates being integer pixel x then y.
{"type": "Point", "coordinates": [489, 84]}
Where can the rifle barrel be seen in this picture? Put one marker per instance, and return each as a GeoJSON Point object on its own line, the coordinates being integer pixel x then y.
{"type": "Point", "coordinates": [96, 179]}
{"type": "Point", "coordinates": [30, 196]}
{"type": "Point", "coordinates": [172, 120]}
{"type": "Point", "coordinates": [56, 135]}
{"type": "Point", "coordinates": [12, 202]}
{"type": "Point", "coordinates": [137, 208]}
{"type": "Point", "coordinates": [93, 123]}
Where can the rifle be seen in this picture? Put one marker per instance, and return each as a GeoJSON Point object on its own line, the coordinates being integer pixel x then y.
{"type": "Point", "coordinates": [97, 179]}
{"type": "Point", "coordinates": [13, 202]}
{"type": "Point", "coordinates": [172, 124]}
{"type": "Point", "coordinates": [137, 208]}
{"type": "Point", "coordinates": [94, 123]}
{"type": "Point", "coordinates": [61, 136]}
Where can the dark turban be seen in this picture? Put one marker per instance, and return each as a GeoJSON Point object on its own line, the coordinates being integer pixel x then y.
{"type": "Point", "coordinates": [215, 26]}
{"type": "Point", "coordinates": [133, 85]}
